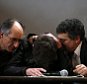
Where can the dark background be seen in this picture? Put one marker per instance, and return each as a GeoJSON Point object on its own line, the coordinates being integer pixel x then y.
{"type": "Point", "coordinates": [41, 16]}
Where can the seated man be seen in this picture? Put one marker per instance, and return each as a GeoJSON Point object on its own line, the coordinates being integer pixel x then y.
{"type": "Point", "coordinates": [45, 53]}
{"type": "Point", "coordinates": [71, 33]}
{"type": "Point", "coordinates": [11, 31]}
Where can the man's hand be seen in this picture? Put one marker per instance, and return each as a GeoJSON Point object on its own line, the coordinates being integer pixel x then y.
{"type": "Point", "coordinates": [59, 45]}
{"type": "Point", "coordinates": [81, 69]}
{"type": "Point", "coordinates": [35, 71]}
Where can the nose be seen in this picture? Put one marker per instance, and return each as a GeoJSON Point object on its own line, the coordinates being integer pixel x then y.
{"type": "Point", "coordinates": [16, 44]}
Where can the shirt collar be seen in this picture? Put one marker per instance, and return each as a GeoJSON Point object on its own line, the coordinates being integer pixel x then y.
{"type": "Point", "coordinates": [77, 50]}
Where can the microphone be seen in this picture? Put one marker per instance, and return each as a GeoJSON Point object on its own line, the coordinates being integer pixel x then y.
{"type": "Point", "coordinates": [63, 72]}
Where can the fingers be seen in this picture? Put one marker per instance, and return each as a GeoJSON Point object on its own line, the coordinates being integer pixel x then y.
{"type": "Point", "coordinates": [81, 69]}
{"type": "Point", "coordinates": [35, 71]}
{"type": "Point", "coordinates": [59, 45]}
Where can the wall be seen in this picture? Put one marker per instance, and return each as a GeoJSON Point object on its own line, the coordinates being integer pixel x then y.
{"type": "Point", "coordinates": [41, 16]}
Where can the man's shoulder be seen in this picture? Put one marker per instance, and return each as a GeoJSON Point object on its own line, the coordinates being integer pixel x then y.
{"type": "Point", "coordinates": [84, 45]}
{"type": "Point", "coordinates": [84, 41]}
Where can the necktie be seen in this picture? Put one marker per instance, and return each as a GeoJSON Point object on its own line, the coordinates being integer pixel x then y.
{"type": "Point", "coordinates": [75, 60]}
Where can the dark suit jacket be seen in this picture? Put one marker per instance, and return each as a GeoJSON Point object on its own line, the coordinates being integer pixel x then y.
{"type": "Point", "coordinates": [64, 61]}
{"type": "Point", "coordinates": [5, 57]}
{"type": "Point", "coordinates": [20, 61]}
{"type": "Point", "coordinates": [83, 53]}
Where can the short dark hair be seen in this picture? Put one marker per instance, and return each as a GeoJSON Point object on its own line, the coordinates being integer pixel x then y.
{"type": "Point", "coordinates": [45, 51]}
{"type": "Point", "coordinates": [30, 35]}
{"type": "Point", "coordinates": [73, 27]}
{"type": "Point", "coordinates": [7, 24]}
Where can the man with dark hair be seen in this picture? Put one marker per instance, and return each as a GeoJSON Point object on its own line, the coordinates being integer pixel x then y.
{"type": "Point", "coordinates": [71, 34]}
{"type": "Point", "coordinates": [45, 52]}
{"type": "Point", "coordinates": [11, 31]}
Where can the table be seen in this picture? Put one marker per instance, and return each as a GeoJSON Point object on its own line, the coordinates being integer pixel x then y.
{"type": "Point", "coordinates": [42, 79]}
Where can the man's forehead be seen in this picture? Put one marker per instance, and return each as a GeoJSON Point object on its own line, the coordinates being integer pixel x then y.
{"type": "Point", "coordinates": [62, 35]}
{"type": "Point", "coordinates": [16, 32]}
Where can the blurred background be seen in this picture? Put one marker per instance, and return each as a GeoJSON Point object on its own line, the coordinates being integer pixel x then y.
{"type": "Point", "coordinates": [41, 16]}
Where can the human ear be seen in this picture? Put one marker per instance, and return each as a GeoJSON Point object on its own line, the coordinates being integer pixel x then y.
{"type": "Point", "coordinates": [78, 39]}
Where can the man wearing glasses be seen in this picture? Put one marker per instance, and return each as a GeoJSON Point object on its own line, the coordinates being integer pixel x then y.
{"type": "Point", "coordinates": [11, 31]}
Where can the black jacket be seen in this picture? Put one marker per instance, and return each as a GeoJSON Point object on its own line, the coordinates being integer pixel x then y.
{"type": "Point", "coordinates": [83, 52]}
{"type": "Point", "coordinates": [20, 60]}
{"type": "Point", "coordinates": [5, 57]}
